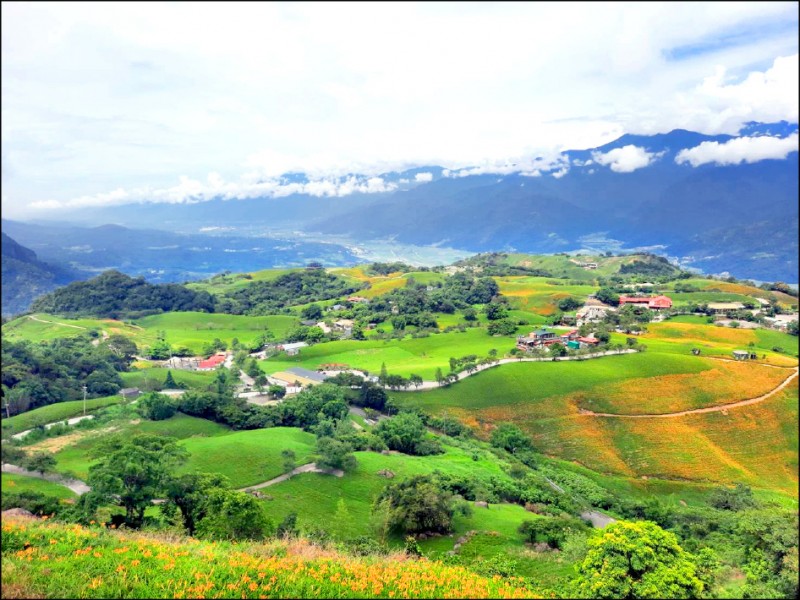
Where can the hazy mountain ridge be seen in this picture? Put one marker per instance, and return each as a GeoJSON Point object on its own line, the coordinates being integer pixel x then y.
{"type": "Point", "coordinates": [24, 276]}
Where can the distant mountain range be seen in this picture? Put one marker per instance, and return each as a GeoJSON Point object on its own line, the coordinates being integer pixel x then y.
{"type": "Point", "coordinates": [741, 219]}
{"type": "Point", "coordinates": [25, 277]}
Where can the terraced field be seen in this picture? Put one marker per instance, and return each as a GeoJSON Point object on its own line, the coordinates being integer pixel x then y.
{"type": "Point", "coordinates": [546, 400]}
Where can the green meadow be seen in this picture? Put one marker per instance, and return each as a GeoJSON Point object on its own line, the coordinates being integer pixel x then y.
{"type": "Point", "coordinates": [410, 355]}
{"type": "Point", "coordinates": [16, 484]}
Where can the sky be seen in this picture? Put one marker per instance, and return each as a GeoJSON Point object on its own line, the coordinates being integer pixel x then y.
{"type": "Point", "coordinates": [113, 103]}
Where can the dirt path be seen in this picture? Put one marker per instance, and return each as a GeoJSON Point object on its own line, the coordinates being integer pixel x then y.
{"type": "Point", "coordinates": [697, 411]}
{"type": "Point", "coordinates": [54, 322]}
{"type": "Point", "coordinates": [309, 468]}
{"type": "Point", "coordinates": [76, 485]}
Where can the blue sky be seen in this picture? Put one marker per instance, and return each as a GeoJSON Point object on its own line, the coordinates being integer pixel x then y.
{"type": "Point", "coordinates": [121, 102]}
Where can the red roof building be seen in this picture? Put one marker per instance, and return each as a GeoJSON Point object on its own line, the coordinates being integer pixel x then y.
{"type": "Point", "coordinates": [652, 302]}
{"type": "Point", "coordinates": [588, 340]}
{"type": "Point", "coordinates": [212, 362]}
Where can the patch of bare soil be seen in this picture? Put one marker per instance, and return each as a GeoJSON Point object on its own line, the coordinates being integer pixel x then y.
{"type": "Point", "coordinates": [57, 444]}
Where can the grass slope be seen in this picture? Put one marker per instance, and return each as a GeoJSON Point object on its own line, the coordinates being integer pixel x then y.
{"type": "Point", "coordinates": [13, 483]}
{"type": "Point", "coordinates": [54, 412]}
{"type": "Point", "coordinates": [54, 560]}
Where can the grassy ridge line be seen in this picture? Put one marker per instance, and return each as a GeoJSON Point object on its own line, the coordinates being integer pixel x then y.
{"type": "Point", "coordinates": [55, 412]}
{"type": "Point", "coordinates": [55, 560]}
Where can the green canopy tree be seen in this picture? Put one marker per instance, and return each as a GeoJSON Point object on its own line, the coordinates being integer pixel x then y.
{"type": "Point", "coordinates": [639, 560]}
{"type": "Point", "coordinates": [132, 472]}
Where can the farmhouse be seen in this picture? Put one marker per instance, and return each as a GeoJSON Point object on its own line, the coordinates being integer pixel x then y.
{"type": "Point", "coordinates": [587, 342]}
{"type": "Point", "coordinates": [292, 349]}
{"type": "Point", "coordinates": [295, 379]}
{"type": "Point", "coordinates": [212, 362]}
{"type": "Point", "coordinates": [724, 307]}
{"type": "Point", "coordinates": [743, 354]}
{"type": "Point", "coordinates": [535, 339]}
{"type": "Point", "coordinates": [358, 299]}
{"type": "Point", "coordinates": [652, 302]}
{"type": "Point", "coordinates": [569, 336]}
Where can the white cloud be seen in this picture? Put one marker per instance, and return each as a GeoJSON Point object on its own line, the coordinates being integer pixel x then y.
{"type": "Point", "coordinates": [739, 150]}
{"type": "Point", "coordinates": [423, 177]}
{"type": "Point", "coordinates": [128, 96]}
{"type": "Point", "coordinates": [626, 159]}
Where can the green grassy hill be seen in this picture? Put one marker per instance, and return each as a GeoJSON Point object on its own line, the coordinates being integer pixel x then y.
{"type": "Point", "coordinates": [135, 565]}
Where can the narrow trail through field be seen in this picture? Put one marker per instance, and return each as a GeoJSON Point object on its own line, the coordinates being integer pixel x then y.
{"type": "Point", "coordinates": [309, 468]}
{"type": "Point", "coordinates": [55, 323]}
{"type": "Point", "coordinates": [697, 411]}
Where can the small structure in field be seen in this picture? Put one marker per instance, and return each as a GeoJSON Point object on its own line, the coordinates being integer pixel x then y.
{"type": "Point", "coordinates": [129, 393]}
{"type": "Point", "coordinates": [292, 349]}
{"type": "Point", "coordinates": [741, 354]}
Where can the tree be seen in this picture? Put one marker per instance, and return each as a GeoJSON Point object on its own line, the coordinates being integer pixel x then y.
{"type": "Point", "coordinates": [121, 346]}
{"type": "Point", "coordinates": [510, 438]}
{"type": "Point", "coordinates": [384, 374]}
{"type": "Point", "coordinates": [232, 515]}
{"type": "Point", "coordinates": [132, 472]}
{"type": "Point", "coordinates": [638, 560]}
{"type": "Point", "coordinates": [188, 494]}
{"type": "Point", "coordinates": [335, 454]}
{"type": "Point", "coordinates": [470, 314]}
{"type": "Point", "coordinates": [41, 462]}
{"type": "Point", "coordinates": [502, 327]}
{"type": "Point", "coordinates": [792, 328]}
{"type": "Point", "coordinates": [495, 311]}
{"type": "Point", "coordinates": [551, 531]}
{"type": "Point", "coordinates": [156, 407]}
{"type": "Point", "coordinates": [289, 460]}
{"type": "Point", "coordinates": [415, 380]}
{"type": "Point", "coordinates": [312, 312]}
{"type": "Point", "coordinates": [417, 505]}
{"type": "Point", "coordinates": [558, 349]}
{"type": "Point", "coordinates": [406, 433]}
{"type": "Point", "coordinates": [276, 391]}
{"type": "Point", "coordinates": [439, 376]}
{"type": "Point", "coordinates": [169, 382]}
{"type": "Point", "coordinates": [569, 303]}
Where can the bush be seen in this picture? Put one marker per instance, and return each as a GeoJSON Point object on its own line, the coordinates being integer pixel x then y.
{"type": "Point", "coordinates": [551, 531]}
{"type": "Point", "coordinates": [406, 433]}
{"type": "Point", "coordinates": [156, 407]}
{"type": "Point", "coordinates": [417, 505]}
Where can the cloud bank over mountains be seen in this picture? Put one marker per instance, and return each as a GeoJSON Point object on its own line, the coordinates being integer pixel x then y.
{"type": "Point", "coordinates": [110, 103]}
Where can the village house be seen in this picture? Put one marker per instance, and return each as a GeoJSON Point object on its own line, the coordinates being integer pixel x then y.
{"type": "Point", "coordinates": [129, 393]}
{"type": "Point", "coordinates": [295, 379]}
{"type": "Point", "coordinates": [587, 342]}
{"type": "Point", "coordinates": [344, 327]}
{"type": "Point", "coordinates": [536, 339]}
{"type": "Point", "coordinates": [744, 355]}
{"type": "Point", "coordinates": [780, 321]}
{"type": "Point", "coordinates": [358, 299]}
{"type": "Point", "coordinates": [292, 349]}
{"type": "Point", "coordinates": [212, 362]}
{"type": "Point", "coordinates": [724, 308]}
{"type": "Point", "coordinates": [652, 302]}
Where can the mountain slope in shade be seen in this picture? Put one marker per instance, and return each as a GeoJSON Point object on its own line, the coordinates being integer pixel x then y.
{"type": "Point", "coordinates": [717, 218]}
{"type": "Point", "coordinates": [25, 277]}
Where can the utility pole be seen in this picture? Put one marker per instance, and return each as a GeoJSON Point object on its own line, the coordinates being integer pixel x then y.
{"type": "Point", "coordinates": [84, 399]}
